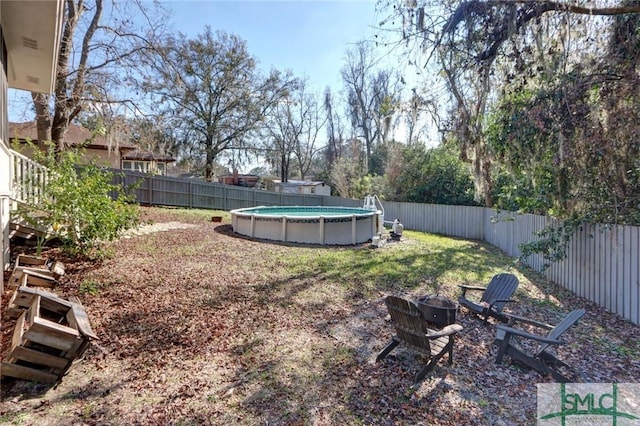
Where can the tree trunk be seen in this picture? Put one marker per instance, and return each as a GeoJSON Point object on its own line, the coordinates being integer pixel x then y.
{"type": "Point", "coordinates": [284, 169]}
{"type": "Point", "coordinates": [488, 182]}
{"type": "Point", "coordinates": [59, 129]}
{"type": "Point", "coordinates": [43, 116]}
{"type": "Point", "coordinates": [67, 106]}
{"type": "Point", "coordinates": [208, 169]}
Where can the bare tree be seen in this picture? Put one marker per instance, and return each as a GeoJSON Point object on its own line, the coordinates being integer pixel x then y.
{"type": "Point", "coordinates": [283, 127]}
{"type": "Point", "coordinates": [417, 112]}
{"type": "Point", "coordinates": [306, 147]}
{"type": "Point", "coordinates": [335, 130]}
{"type": "Point", "coordinates": [153, 134]}
{"type": "Point", "coordinates": [293, 127]}
{"type": "Point", "coordinates": [97, 52]}
{"type": "Point", "coordinates": [210, 89]}
{"type": "Point", "coordinates": [372, 97]}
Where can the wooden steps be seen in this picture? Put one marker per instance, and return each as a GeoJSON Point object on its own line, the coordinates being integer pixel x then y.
{"type": "Point", "coordinates": [22, 229]}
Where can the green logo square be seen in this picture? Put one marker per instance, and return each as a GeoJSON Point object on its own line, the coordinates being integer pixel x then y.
{"type": "Point", "coordinates": [592, 404]}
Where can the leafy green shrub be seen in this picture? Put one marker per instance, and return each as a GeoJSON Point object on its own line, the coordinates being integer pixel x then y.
{"type": "Point", "coordinates": [80, 204]}
{"type": "Point", "coordinates": [552, 241]}
{"type": "Point", "coordinates": [433, 176]}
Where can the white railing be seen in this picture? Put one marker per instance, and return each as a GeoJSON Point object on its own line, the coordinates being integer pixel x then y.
{"type": "Point", "coordinates": [28, 179]}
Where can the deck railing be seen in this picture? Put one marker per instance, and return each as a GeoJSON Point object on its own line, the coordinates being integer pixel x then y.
{"type": "Point", "coordinates": [28, 179]}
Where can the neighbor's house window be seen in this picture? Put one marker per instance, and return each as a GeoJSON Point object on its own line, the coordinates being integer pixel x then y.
{"type": "Point", "coordinates": [138, 166]}
{"type": "Point", "coordinates": [313, 189]}
{"type": "Point", "coordinates": [161, 167]}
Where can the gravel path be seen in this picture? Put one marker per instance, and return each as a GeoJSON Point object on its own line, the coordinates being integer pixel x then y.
{"type": "Point", "coordinates": [157, 227]}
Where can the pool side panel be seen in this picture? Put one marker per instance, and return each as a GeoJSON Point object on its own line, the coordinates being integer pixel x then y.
{"type": "Point", "coordinates": [349, 229]}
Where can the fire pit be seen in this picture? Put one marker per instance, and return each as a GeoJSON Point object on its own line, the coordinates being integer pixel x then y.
{"type": "Point", "coordinates": [438, 310]}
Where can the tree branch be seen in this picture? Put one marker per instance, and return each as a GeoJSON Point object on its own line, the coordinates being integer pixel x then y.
{"type": "Point", "coordinates": [528, 11]}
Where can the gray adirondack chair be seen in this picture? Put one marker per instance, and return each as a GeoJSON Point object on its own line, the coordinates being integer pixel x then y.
{"type": "Point", "coordinates": [494, 297]}
{"type": "Point", "coordinates": [541, 360]}
{"type": "Point", "coordinates": [412, 330]}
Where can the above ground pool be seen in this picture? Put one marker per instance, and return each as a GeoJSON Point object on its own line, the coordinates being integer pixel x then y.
{"type": "Point", "coordinates": [309, 225]}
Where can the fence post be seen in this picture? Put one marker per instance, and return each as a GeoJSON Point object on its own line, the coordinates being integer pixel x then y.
{"type": "Point", "coordinates": [224, 197]}
{"type": "Point", "coordinates": [190, 195]}
{"type": "Point", "coordinates": [150, 190]}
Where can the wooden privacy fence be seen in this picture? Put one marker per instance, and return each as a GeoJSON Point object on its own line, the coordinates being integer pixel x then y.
{"type": "Point", "coordinates": [192, 193]}
{"type": "Point", "coordinates": [602, 263]}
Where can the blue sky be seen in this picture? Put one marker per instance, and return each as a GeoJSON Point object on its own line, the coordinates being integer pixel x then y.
{"type": "Point", "coordinates": [308, 37]}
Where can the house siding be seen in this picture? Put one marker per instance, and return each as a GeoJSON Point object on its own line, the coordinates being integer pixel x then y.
{"type": "Point", "coordinates": [34, 70]}
{"type": "Point", "coordinates": [102, 157]}
{"type": "Point", "coordinates": [5, 162]}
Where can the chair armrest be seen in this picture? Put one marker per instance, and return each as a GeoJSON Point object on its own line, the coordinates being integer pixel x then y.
{"type": "Point", "coordinates": [520, 333]}
{"type": "Point", "coordinates": [516, 318]}
{"type": "Point", "coordinates": [493, 302]}
{"type": "Point", "coordinates": [446, 331]}
{"type": "Point", "coordinates": [465, 287]}
{"type": "Point", "coordinates": [471, 287]}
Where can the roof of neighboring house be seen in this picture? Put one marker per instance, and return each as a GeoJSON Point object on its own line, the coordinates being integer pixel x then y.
{"type": "Point", "coordinates": [301, 183]}
{"type": "Point", "coordinates": [239, 175]}
{"type": "Point", "coordinates": [76, 136]}
{"type": "Point", "coordinates": [138, 155]}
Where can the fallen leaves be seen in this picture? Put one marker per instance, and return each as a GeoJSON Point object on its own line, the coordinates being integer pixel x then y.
{"type": "Point", "coordinates": [198, 326]}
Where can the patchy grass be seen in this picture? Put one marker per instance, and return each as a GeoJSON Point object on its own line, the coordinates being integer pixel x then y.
{"type": "Point", "coordinates": [90, 287]}
{"type": "Point", "coordinates": [425, 262]}
{"type": "Point", "coordinates": [201, 326]}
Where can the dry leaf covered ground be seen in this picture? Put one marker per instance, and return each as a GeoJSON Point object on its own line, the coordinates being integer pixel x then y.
{"type": "Point", "coordinates": [199, 326]}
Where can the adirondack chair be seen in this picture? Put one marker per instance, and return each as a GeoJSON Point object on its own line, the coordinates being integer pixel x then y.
{"type": "Point", "coordinates": [412, 330]}
{"type": "Point", "coordinates": [494, 297]}
{"type": "Point", "coordinates": [541, 360]}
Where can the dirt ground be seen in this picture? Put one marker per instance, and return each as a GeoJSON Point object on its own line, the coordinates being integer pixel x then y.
{"type": "Point", "coordinates": [198, 326]}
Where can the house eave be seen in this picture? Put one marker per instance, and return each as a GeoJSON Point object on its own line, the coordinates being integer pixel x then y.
{"type": "Point", "coordinates": [32, 38]}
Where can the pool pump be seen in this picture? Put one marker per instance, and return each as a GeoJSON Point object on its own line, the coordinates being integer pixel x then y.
{"type": "Point", "coordinates": [396, 230]}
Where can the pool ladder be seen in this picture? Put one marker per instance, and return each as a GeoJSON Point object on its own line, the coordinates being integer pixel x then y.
{"type": "Point", "coordinates": [372, 202]}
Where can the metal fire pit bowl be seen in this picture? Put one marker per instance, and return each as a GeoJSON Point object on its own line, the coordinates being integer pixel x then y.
{"type": "Point", "coordinates": [438, 310]}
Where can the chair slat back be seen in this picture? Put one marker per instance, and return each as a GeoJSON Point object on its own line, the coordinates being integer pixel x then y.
{"type": "Point", "coordinates": [501, 287]}
{"type": "Point", "coordinates": [566, 323]}
{"type": "Point", "coordinates": [409, 322]}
